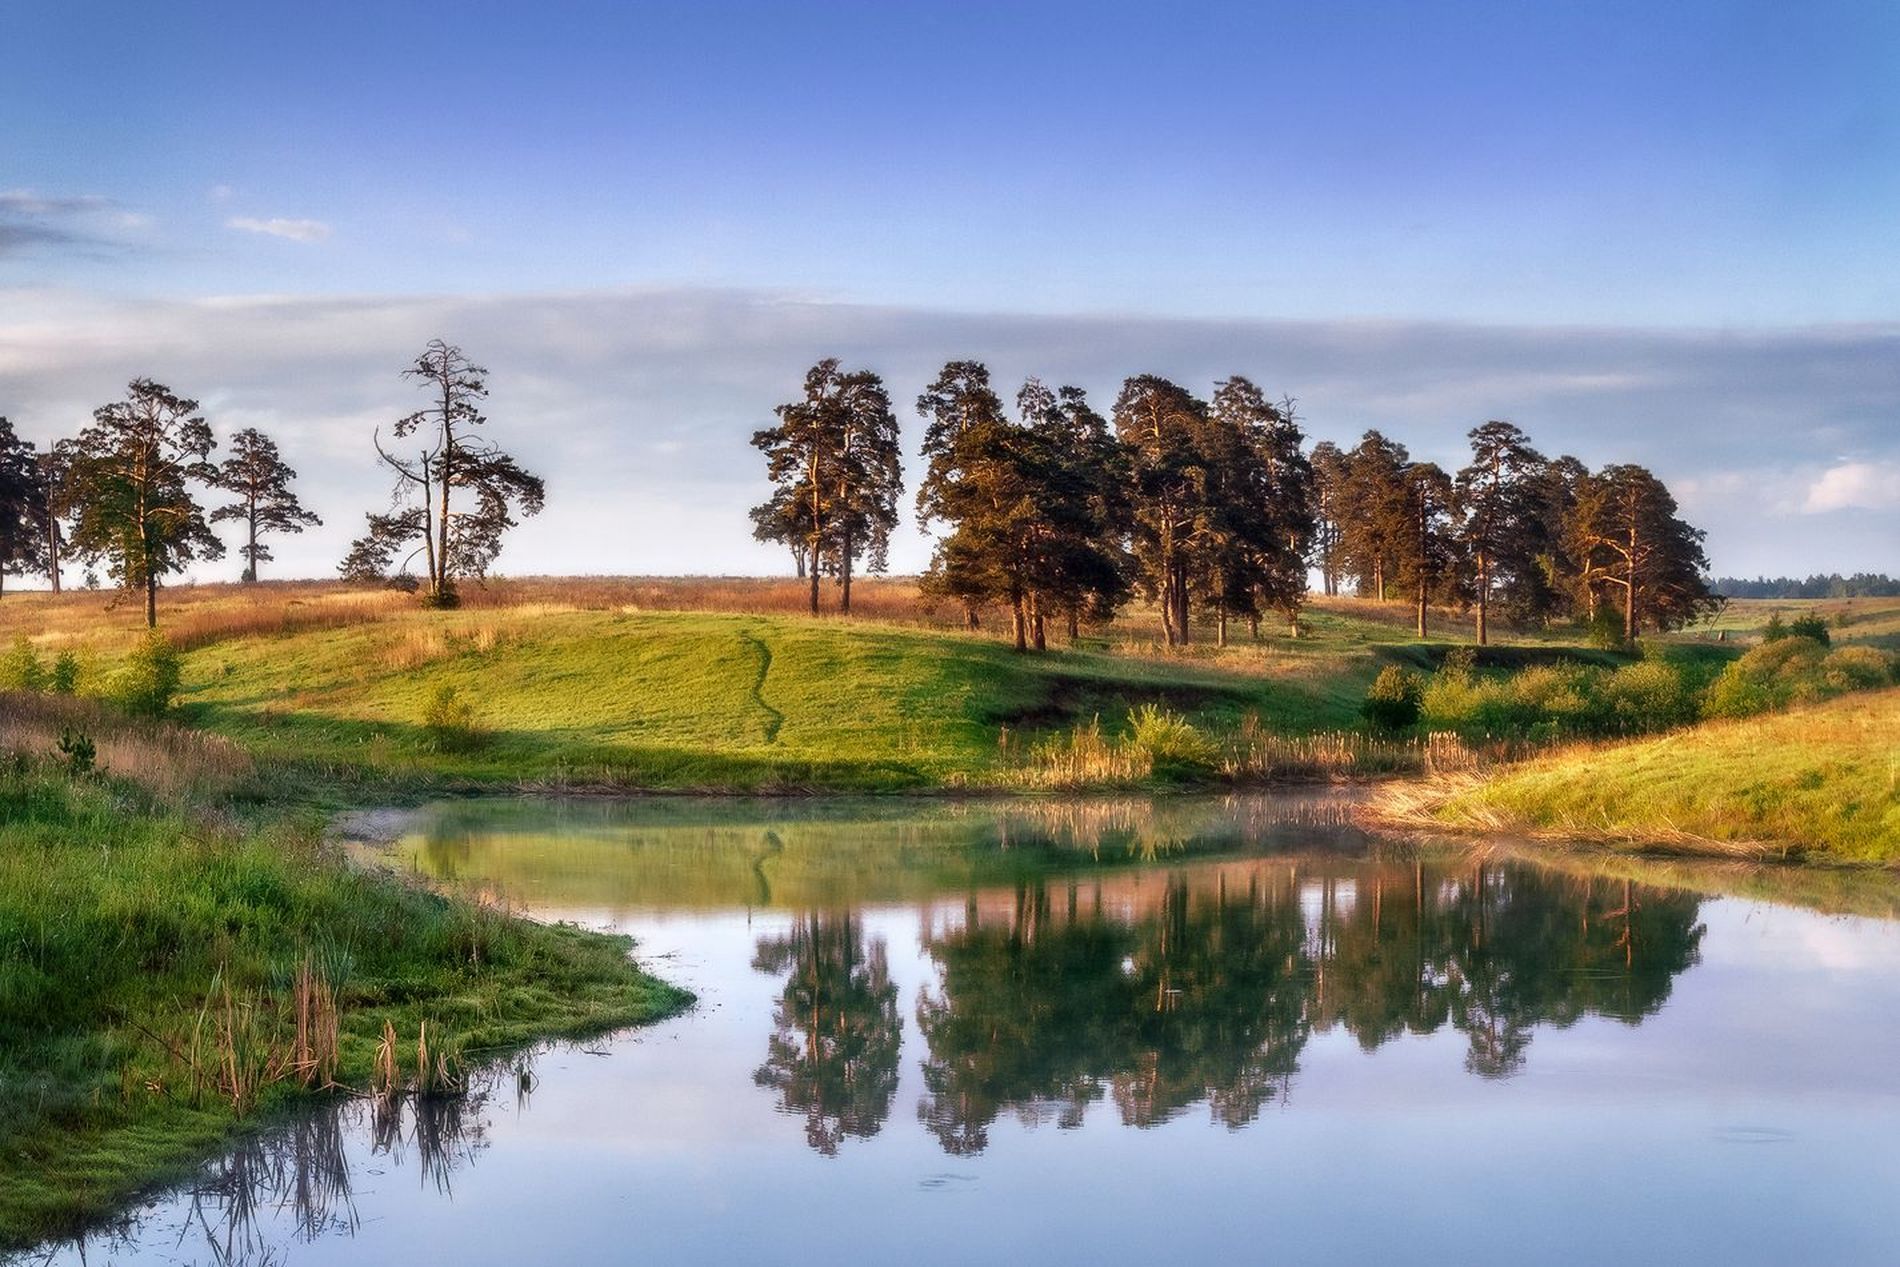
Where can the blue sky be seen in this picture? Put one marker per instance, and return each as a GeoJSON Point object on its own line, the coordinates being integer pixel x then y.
{"type": "Point", "coordinates": [1651, 177]}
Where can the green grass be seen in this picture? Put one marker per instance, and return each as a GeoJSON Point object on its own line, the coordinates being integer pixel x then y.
{"type": "Point", "coordinates": [706, 701]}
{"type": "Point", "coordinates": [1821, 782]}
{"type": "Point", "coordinates": [123, 918]}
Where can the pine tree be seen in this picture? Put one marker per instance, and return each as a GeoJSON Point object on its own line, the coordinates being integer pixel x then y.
{"type": "Point", "coordinates": [261, 479]}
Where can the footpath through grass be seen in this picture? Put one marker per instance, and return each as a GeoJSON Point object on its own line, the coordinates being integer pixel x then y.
{"type": "Point", "coordinates": [710, 702]}
{"type": "Point", "coordinates": [1820, 782]}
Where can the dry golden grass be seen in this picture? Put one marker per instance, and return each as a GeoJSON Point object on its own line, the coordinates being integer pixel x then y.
{"type": "Point", "coordinates": [173, 763]}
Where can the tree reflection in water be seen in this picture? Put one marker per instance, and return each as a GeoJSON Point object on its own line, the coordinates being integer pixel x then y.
{"type": "Point", "coordinates": [1205, 986]}
{"type": "Point", "coordinates": [294, 1183]}
{"type": "Point", "coordinates": [836, 1034]}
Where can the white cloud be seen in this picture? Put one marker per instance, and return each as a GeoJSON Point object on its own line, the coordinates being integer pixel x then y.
{"type": "Point", "coordinates": [1855, 486]}
{"type": "Point", "coordinates": [282, 227]}
{"type": "Point", "coordinates": [220, 193]}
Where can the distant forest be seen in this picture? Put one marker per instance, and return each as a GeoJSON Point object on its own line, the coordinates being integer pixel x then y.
{"type": "Point", "coordinates": [1833, 585]}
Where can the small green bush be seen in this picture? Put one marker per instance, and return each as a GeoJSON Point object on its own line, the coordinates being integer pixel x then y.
{"type": "Point", "coordinates": [448, 719]}
{"type": "Point", "coordinates": [20, 667]}
{"type": "Point", "coordinates": [1604, 630]}
{"type": "Point", "coordinates": [1649, 695]}
{"type": "Point", "coordinates": [1813, 625]}
{"type": "Point", "coordinates": [1392, 703]}
{"type": "Point", "coordinates": [148, 680]}
{"type": "Point", "coordinates": [1775, 630]}
{"type": "Point", "coordinates": [79, 752]}
{"type": "Point", "coordinates": [1170, 741]}
{"type": "Point", "coordinates": [64, 679]}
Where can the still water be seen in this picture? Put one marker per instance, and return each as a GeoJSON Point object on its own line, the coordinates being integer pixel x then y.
{"type": "Point", "coordinates": [1120, 1032]}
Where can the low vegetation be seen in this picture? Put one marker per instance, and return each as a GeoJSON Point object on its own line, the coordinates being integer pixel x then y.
{"type": "Point", "coordinates": [1820, 782]}
{"type": "Point", "coordinates": [171, 970]}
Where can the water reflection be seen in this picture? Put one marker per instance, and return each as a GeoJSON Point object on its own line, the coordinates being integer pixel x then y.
{"type": "Point", "coordinates": [1203, 986]}
{"type": "Point", "coordinates": [832, 1055]}
{"type": "Point", "coordinates": [297, 1184]}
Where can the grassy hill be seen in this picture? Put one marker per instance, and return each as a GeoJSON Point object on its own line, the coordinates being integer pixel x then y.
{"type": "Point", "coordinates": [598, 683]}
{"type": "Point", "coordinates": [1822, 781]}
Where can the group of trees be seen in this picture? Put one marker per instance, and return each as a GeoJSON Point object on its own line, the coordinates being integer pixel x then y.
{"type": "Point", "coordinates": [1833, 585]}
{"type": "Point", "coordinates": [1054, 512]}
{"type": "Point", "coordinates": [1512, 533]}
{"type": "Point", "coordinates": [125, 491]}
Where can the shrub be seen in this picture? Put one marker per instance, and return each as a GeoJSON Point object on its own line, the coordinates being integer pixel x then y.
{"type": "Point", "coordinates": [1859, 669]}
{"type": "Point", "coordinates": [64, 679]}
{"type": "Point", "coordinates": [1795, 670]}
{"type": "Point", "coordinates": [20, 667]}
{"type": "Point", "coordinates": [1604, 630]}
{"type": "Point", "coordinates": [149, 678]}
{"type": "Point", "coordinates": [1775, 630]}
{"type": "Point", "coordinates": [79, 752]}
{"type": "Point", "coordinates": [1169, 740]}
{"type": "Point", "coordinates": [448, 719]}
{"type": "Point", "coordinates": [1392, 703]}
{"type": "Point", "coordinates": [1813, 625]}
{"type": "Point", "coordinates": [1650, 695]}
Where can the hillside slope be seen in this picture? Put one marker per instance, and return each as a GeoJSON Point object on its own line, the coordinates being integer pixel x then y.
{"type": "Point", "coordinates": [1821, 781]}
{"type": "Point", "coordinates": [674, 700]}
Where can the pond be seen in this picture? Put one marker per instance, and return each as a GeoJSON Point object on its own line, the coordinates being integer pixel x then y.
{"type": "Point", "coordinates": [1119, 1031]}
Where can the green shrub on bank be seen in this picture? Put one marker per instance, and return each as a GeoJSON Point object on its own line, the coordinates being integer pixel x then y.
{"type": "Point", "coordinates": [1796, 670]}
{"type": "Point", "coordinates": [448, 719]}
{"type": "Point", "coordinates": [1393, 701]}
{"type": "Point", "coordinates": [147, 682]}
{"type": "Point", "coordinates": [1170, 741]}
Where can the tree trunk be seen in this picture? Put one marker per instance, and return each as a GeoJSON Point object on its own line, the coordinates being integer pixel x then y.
{"type": "Point", "coordinates": [814, 574]}
{"type": "Point", "coordinates": [446, 475]}
{"type": "Point", "coordinates": [1484, 598]}
{"type": "Point", "coordinates": [1378, 577]}
{"type": "Point", "coordinates": [52, 550]}
{"type": "Point", "coordinates": [1018, 624]}
{"type": "Point", "coordinates": [250, 557]}
{"type": "Point", "coordinates": [1220, 635]}
{"type": "Point", "coordinates": [844, 573]}
{"type": "Point", "coordinates": [1629, 594]}
{"type": "Point", "coordinates": [971, 619]}
{"type": "Point", "coordinates": [798, 561]}
{"type": "Point", "coordinates": [1075, 627]}
{"type": "Point", "coordinates": [151, 595]}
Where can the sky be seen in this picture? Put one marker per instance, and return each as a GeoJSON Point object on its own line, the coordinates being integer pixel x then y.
{"type": "Point", "coordinates": [1652, 233]}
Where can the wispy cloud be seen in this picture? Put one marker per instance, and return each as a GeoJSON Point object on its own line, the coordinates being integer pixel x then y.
{"type": "Point", "coordinates": [282, 227]}
{"type": "Point", "coordinates": [1855, 486]}
{"type": "Point", "coordinates": [30, 220]}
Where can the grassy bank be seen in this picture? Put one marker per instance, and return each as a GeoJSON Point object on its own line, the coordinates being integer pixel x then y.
{"type": "Point", "coordinates": [170, 975]}
{"type": "Point", "coordinates": [1819, 782]}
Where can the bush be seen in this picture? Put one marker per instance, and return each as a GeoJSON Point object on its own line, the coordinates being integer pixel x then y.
{"type": "Point", "coordinates": [1170, 741]}
{"type": "Point", "coordinates": [148, 680]}
{"type": "Point", "coordinates": [448, 719]}
{"type": "Point", "coordinates": [64, 679]}
{"type": "Point", "coordinates": [20, 668]}
{"type": "Point", "coordinates": [1812, 625]}
{"type": "Point", "coordinates": [1650, 695]}
{"type": "Point", "coordinates": [1860, 669]}
{"type": "Point", "coordinates": [1392, 703]}
{"type": "Point", "coordinates": [1775, 630]}
{"type": "Point", "coordinates": [1604, 630]}
{"type": "Point", "coordinates": [1795, 669]}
